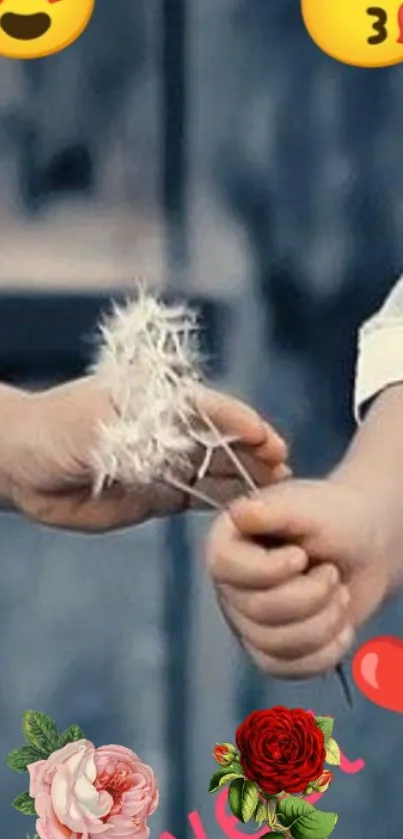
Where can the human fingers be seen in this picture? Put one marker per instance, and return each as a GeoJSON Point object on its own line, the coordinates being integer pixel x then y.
{"type": "Point", "coordinates": [233, 417]}
{"type": "Point", "coordinates": [239, 564]}
{"type": "Point", "coordinates": [313, 664]}
{"type": "Point", "coordinates": [244, 458]}
{"type": "Point", "coordinates": [293, 640]}
{"type": "Point", "coordinates": [224, 489]}
{"type": "Point", "coordinates": [298, 598]}
{"type": "Point", "coordinates": [293, 510]}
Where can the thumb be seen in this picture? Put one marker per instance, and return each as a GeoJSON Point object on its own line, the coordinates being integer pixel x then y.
{"type": "Point", "coordinates": [286, 511]}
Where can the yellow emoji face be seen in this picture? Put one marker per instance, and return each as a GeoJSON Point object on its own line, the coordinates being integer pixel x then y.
{"type": "Point", "coordinates": [36, 28]}
{"type": "Point", "coordinates": [364, 33]}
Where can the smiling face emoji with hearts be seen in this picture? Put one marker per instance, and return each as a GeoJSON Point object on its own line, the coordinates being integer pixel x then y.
{"type": "Point", "coordinates": [36, 28]}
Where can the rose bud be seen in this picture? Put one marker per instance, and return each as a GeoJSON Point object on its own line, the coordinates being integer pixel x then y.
{"type": "Point", "coordinates": [323, 782]}
{"type": "Point", "coordinates": [224, 754]}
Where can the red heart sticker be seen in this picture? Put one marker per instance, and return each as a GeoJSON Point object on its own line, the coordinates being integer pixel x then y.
{"type": "Point", "coordinates": [376, 669]}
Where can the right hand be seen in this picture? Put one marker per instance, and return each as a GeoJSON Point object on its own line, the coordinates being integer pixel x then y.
{"type": "Point", "coordinates": [295, 606]}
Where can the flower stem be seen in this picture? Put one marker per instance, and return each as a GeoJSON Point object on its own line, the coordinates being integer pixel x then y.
{"type": "Point", "coordinates": [271, 815]}
{"type": "Point", "coordinates": [243, 472]}
{"type": "Point", "coordinates": [176, 483]}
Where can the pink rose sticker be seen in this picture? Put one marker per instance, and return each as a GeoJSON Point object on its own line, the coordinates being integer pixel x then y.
{"type": "Point", "coordinates": [79, 791]}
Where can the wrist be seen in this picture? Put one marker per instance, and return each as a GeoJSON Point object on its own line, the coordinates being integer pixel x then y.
{"type": "Point", "coordinates": [14, 415]}
{"type": "Point", "coordinates": [373, 466]}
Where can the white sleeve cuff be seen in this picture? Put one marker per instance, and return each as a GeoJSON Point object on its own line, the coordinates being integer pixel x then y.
{"type": "Point", "coordinates": [380, 358]}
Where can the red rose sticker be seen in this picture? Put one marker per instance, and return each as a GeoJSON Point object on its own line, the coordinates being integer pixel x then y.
{"type": "Point", "coordinates": [276, 767]}
{"type": "Point", "coordinates": [281, 749]}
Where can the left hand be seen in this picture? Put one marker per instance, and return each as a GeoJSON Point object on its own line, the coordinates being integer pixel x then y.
{"type": "Point", "coordinates": [54, 433]}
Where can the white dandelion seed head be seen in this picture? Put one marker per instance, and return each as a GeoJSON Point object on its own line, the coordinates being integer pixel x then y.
{"type": "Point", "coordinates": [149, 361]}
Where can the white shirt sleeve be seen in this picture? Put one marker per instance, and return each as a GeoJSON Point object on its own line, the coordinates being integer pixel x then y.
{"type": "Point", "coordinates": [380, 350]}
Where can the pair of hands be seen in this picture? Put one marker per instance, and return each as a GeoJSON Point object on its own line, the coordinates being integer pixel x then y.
{"type": "Point", "coordinates": [294, 605]}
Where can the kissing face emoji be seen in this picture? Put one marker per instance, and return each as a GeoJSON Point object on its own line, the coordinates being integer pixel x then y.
{"type": "Point", "coordinates": [36, 28]}
{"type": "Point", "coordinates": [364, 33]}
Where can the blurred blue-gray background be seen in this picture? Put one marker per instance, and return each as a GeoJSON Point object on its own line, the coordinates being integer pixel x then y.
{"type": "Point", "coordinates": [209, 147]}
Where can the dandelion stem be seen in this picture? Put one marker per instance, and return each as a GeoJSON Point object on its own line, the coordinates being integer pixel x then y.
{"type": "Point", "coordinates": [176, 483]}
{"type": "Point", "coordinates": [229, 451]}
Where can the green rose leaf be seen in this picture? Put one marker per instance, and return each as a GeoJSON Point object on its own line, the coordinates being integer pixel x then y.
{"type": "Point", "coordinates": [70, 735]}
{"type": "Point", "coordinates": [220, 779]}
{"type": "Point", "coordinates": [326, 724]}
{"type": "Point", "coordinates": [333, 755]}
{"type": "Point", "coordinates": [230, 777]}
{"type": "Point", "coordinates": [223, 776]}
{"type": "Point", "coordinates": [216, 780]}
{"type": "Point", "coordinates": [19, 759]}
{"type": "Point", "coordinates": [250, 800]}
{"type": "Point", "coordinates": [303, 820]}
{"type": "Point", "coordinates": [261, 813]}
{"type": "Point", "coordinates": [24, 804]}
{"type": "Point", "coordinates": [235, 798]}
{"type": "Point", "coordinates": [40, 731]}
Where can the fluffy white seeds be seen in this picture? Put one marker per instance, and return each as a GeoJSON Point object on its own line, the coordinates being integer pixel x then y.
{"type": "Point", "coordinates": [149, 362]}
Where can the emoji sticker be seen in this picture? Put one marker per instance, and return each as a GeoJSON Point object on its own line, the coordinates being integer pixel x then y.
{"type": "Point", "coordinates": [357, 32]}
{"type": "Point", "coordinates": [36, 28]}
